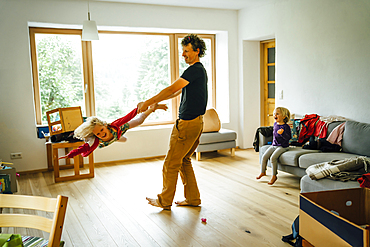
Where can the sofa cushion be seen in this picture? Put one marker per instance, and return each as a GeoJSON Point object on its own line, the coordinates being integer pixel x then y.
{"type": "Point", "coordinates": [356, 138]}
{"type": "Point", "coordinates": [221, 136]}
{"type": "Point", "coordinates": [215, 146]}
{"type": "Point", "coordinates": [309, 185]}
{"type": "Point", "coordinates": [332, 126]}
{"type": "Point", "coordinates": [291, 158]}
{"type": "Point", "coordinates": [307, 160]}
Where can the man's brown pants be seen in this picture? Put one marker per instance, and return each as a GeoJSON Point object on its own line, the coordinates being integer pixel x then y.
{"type": "Point", "coordinates": [184, 140]}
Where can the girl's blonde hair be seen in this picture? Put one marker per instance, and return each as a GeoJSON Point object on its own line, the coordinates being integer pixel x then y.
{"type": "Point", "coordinates": [85, 130]}
{"type": "Point", "coordinates": [285, 112]}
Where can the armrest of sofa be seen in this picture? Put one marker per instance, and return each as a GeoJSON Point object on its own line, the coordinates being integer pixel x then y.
{"type": "Point", "coordinates": [263, 140]}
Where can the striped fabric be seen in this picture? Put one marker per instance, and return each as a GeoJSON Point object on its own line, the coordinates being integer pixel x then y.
{"type": "Point", "coordinates": [29, 241]}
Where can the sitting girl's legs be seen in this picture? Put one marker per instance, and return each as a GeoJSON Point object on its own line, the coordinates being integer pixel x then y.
{"type": "Point", "coordinates": [265, 159]}
{"type": "Point", "coordinates": [274, 159]}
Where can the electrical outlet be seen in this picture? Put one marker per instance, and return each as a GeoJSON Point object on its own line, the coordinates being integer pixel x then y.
{"type": "Point", "coordinates": [16, 155]}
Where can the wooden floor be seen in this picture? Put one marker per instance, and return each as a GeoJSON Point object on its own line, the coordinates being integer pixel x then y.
{"type": "Point", "coordinates": [110, 209]}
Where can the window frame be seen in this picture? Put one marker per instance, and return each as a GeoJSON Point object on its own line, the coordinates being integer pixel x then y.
{"type": "Point", "coordinates": [88, 75]}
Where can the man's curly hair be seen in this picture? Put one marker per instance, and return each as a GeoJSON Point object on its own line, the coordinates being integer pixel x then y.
{"type": "Point", "coordinates": [196, 43]}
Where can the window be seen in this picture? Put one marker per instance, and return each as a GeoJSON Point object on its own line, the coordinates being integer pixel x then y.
{"type": "Point", "coordinates": [59, 72]}
{"type": "Point", "coordinates": [130, 68]}
{"type": "Point", "coordinates": [108, 77]}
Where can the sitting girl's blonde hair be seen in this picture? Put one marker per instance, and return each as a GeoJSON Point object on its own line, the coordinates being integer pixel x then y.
{"type": "Point", "coordinates": [85, 130]}
{"type": "Point", "coordinates": [285, 112]}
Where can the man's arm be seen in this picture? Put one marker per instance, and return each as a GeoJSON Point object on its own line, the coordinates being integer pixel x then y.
{"type": "Point", "coordinates": [173, 95]}
{"type": "Point", "coordinates": [171, 91]}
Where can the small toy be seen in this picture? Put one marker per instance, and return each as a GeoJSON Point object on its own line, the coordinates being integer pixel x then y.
{"type": "Point", "coordinates": [204, 220]}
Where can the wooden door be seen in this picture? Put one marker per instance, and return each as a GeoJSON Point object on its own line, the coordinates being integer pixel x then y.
{"type": "Point", "coordinates": [268, 82]}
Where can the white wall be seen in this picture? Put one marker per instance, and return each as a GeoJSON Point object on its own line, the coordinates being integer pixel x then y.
{"type": "Point", "coordinates": [322, 56]}
{"type": "Point", "coordinates": [249, 90]}
{"type": "Point", "coordinates": [17, 117]}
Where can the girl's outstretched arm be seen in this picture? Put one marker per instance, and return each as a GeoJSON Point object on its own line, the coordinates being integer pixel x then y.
{"type": "Point", "coordinates": [139, 120]}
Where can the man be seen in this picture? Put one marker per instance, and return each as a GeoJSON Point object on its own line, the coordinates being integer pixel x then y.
{"type": "Point", "coordinates": [188, 127]}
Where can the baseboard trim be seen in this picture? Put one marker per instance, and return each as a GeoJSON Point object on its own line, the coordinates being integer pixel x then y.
{"type": "Point", "coordinates": [100, 163]}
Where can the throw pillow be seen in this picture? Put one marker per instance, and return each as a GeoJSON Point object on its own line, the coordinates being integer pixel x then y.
{"type": "Point", "coordinates": [294, 127]}
{"type": "Point", "coordinates": [211, 121]}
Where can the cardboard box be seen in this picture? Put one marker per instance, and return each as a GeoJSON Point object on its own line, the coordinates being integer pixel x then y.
{"type": "Point", "coordinates": [335, 218]}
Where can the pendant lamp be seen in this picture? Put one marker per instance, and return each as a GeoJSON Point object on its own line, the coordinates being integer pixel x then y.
{"type": "Point", "coordinates": [89, 30]}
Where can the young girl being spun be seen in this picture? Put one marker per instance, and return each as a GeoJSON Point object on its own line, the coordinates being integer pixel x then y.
{"type": "Point", "coordinates": [97, 133]}
{"type": "Point", "coordinates": [280, 142]}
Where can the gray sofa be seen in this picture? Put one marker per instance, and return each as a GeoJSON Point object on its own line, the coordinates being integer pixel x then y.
{"type": "Point", "coordinates": [356, 142]}
{"type": "Point", "coordinates": [214, 137]}
{"type": "Point", "coordinates": [212, 141]}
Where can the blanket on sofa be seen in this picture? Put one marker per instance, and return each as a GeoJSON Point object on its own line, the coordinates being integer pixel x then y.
{"type": "Point", "coordinates": [346, 176]}
{"type": "Point", "coordinates": [265, 131]}
{"type": "Point", "coordinates": [325, 169]}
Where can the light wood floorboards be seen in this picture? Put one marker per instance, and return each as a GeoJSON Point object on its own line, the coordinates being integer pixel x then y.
{"type": "Point", "coordinates": [111, 210]}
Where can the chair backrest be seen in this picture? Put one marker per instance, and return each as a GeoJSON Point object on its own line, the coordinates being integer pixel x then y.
{"type": "Point", "coordinates": [67, 119]}
{"type": "Point", "coordinates": [53, 226]}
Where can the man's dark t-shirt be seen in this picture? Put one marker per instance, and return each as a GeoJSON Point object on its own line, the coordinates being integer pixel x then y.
{"type": "Point", "coordinates": [195, 95]}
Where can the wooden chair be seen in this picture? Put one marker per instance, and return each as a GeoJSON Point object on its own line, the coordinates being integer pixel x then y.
{"type": "Point", "coordinates": [63, 120]}
{"type": "Point", "coordinates": [69, 119]}
{"type": "Point", "coordinates": [53, 226]}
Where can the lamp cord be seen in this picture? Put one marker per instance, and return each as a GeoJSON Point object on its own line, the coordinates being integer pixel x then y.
{"type": "Point", "coordinates": [88, 10]}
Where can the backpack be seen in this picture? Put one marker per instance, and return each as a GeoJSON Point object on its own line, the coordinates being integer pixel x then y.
{"type": "Point", "coordinates": [294, 236]}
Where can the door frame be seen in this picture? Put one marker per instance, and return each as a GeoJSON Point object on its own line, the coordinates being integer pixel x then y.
{"type": "Point", "coordinates": [264, 45]}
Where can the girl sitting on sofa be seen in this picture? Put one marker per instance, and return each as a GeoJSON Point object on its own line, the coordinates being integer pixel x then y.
{"type": "Point", "coordinates": [280, 142]}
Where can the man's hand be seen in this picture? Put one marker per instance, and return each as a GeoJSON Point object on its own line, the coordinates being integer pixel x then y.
{"type": "Point", "coordinates": [141, 107]}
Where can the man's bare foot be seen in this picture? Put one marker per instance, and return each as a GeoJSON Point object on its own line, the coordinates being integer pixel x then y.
{"type": "Point", "coordinates": [261, 175]}
{"type": "Point", "coordinates": [185, 203]}
{"type": "Point", "coordinates": [155, 203]}
{"type": "Point", "coordinates": [273, 180]}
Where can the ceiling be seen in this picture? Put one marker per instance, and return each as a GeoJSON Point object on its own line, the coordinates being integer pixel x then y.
{"type": "Point", "coordinates": [215, 4]}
